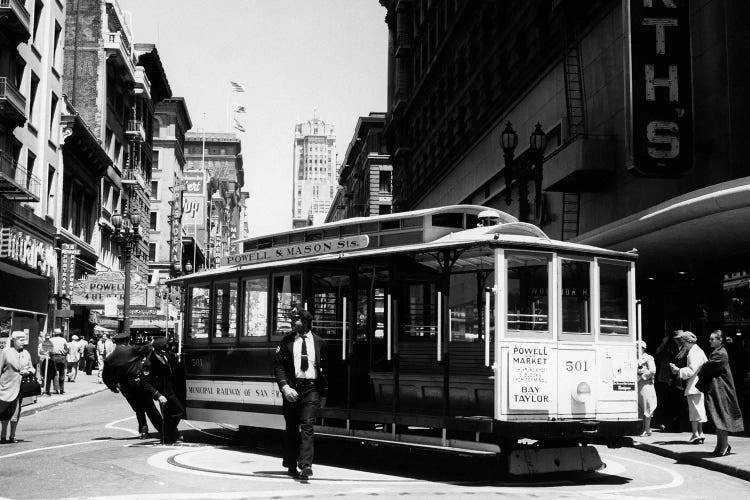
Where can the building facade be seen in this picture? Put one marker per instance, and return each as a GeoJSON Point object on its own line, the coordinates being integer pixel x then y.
{"type": "Point", "coordinates": [624, 91]}
{"type": "Point", "coordinates": [112, 86]}
{"type": "Point", "coordinates": [365, 177]}
{"type": "Point", "coordinates": [315, 172]}
{"type": "Point", "coordinates": [30, 99]}
{"type": "Point", "coordinates": [212, 199]}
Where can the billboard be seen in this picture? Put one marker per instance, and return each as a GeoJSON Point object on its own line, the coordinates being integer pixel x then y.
{"type": "Point", "coordinates": [193, 200]}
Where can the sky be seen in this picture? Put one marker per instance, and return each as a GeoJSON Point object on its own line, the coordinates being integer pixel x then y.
{"type": "Point", "coordinates": [292, 56]}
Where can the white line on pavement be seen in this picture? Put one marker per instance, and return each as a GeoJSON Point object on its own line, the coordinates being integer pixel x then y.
{"type": "Point", "coordinates": [677, 480]}
{"type": "Point", "coordinates": [34, 450]}
{"type": "Point", "coordinates": [112, 425]}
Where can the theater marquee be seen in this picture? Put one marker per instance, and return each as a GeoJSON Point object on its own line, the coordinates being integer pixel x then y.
{"type": "Point", "coordinates": [658, 95]}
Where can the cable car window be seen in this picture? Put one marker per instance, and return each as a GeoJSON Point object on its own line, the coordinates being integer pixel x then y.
{"type": "Point", "coordinates": [255, 304]}
{"type": "Point", "coordinates": [199, 300]}
{"type": "Point", "coordinates": [455, 220]}
{"type": "Point", "coordinates": [463, 307]}
{"type": "Point", "coordinates": [421, 315]}
{"type": "Point", "coordinates": [225, 309]}
{"type": "Point", "coordinates": [575, 304]}
{"type": "Point", "coordinates": [287, 291]}
{"type": "Point", "coordinates": [613, 301]}
{"type": "Point", "coordinates": [528, 298]}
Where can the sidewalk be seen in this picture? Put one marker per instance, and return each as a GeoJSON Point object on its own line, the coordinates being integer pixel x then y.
{"type": "Point", "coordinates": [676, 446]}
{"type": "Point", "coordinates": [85, 385]}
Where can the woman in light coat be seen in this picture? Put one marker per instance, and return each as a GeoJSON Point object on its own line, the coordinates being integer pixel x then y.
{"type": "Point", "coordinates": [696, 404]}
{"type": "Point", "coordinates": [646, 392]}
{"type": "Point", "coordinates": [15, 361]}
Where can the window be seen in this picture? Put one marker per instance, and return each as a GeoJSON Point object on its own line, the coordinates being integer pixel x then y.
{"type": "Point", "coordinates": [32, 97]}
{"type": "Point", "coordinates": [52, 114]}
{"type": "Point", "coordinates": [287, 290]}
{"type": "Point", "coordinates": [19, 68]}
{"type": "Point", "coordinates": [38, 8]}
{"type": "Point", "coordinates": [528, 300]}
{"type": "Point", "coordinates": [613, 298]}
{"type": "Point", "coordinates": [50, 187]}
{"type": "Point", "coordinates": [56, 41]}
{"type": "Point", "coordinates": [153, 220]}
{"type": "Point", "coordinates": [255, 307]}
{"type": "Point", "coordinates": [465, 306]}
{"type": "Point", "coordinates": [575, 303]}
{"type": "Point", "coordinates": [155, 161]}
{"type": "Point", "coordinates": [421, 313]}
{"type": "Point", "coordinates": [30, 163]}
{"type": "Point", "coordinates": [225, 309]}
{"type": "Point", "coordinates": [154, 190]}
{"type": "Point", "coordinates": [198, 320]}
{"type": "Point", "coordinates": [385, 181]}
{"type": "Point", "coordinates": [152, 252]}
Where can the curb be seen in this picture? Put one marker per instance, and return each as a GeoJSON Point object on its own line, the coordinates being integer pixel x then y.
{"type": "Point", "coordinates": [727, 469]}
{"type": "Point", "coordinates": [33, 411]}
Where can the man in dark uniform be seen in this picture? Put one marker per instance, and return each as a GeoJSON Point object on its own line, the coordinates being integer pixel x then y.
{"type": "Point", "coordinates": [300, 365]}
{"type": "Point", "coordinates": [164, 380]}
{"type": "Point", "coordinates": [122, 373]}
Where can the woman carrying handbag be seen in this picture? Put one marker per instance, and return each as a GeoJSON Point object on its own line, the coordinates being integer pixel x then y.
{"type": "Point", "coordinates": [15, 362]}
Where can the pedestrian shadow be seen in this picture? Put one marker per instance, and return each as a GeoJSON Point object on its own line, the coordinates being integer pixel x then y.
{"type": "Point", "coordinates": [670, 442]}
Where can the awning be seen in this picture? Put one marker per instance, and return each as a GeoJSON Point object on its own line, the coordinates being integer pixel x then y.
{"type": "Point", "coordinates": [703, 227]}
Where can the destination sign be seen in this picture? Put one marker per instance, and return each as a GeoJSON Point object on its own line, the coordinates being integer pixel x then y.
{"type": "Point", "coordinates": [306, 249]}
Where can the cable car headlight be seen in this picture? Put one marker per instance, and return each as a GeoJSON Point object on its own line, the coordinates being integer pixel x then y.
{"type": "Point", "coordinates": [582, 392]}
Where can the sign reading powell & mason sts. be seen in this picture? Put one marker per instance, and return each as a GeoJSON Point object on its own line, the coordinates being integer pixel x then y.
{"type": "Point", "coordinates": [305, 249]}
{"type": "Point", "coordinates": [659, 111]}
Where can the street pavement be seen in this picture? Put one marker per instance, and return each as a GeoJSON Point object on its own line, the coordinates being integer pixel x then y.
{"type": "Point", "coordinates": [673, 446]}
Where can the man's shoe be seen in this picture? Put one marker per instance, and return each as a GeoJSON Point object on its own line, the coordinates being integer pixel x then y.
{"type": "Point", "coordinates": [306, 471]}
{"type": "Point", "coordinates": [292, 471]}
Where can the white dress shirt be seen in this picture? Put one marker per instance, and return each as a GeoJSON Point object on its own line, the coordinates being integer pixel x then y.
{"type": "Point", "coordinates": [310, 373]}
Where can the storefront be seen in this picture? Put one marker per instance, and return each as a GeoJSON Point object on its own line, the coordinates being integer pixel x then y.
{"type": "Point", "coordinates": [28, 267]}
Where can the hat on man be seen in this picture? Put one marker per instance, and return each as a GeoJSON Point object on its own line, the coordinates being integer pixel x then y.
{"type": "Point", "coordinates": [56, 331]}
{"type": "Point", "coordinates": [688, 337]}
{"type": "Point", "coordinates": [160, 344]}
{"type": "Point", "coordinates": [75, 337]}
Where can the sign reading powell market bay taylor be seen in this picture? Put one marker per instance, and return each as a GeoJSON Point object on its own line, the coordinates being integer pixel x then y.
{"type": "Point", "coordinates": [305, 249]}
{"type": "Point", "coordinates": [659, 112]}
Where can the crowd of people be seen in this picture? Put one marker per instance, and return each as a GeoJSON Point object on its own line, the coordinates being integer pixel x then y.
{"type": "Point", "coordinates": [146, 373]}
{"type": "Point", "coordinates": [686, 385]}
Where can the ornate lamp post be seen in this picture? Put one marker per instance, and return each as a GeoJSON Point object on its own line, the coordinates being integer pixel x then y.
{"type": "Point", "coordinates": [523, 171]}
{"type": "Point", "coordinates": [189, 267]}
{"type": "Point", "coordinates": [127, 234]}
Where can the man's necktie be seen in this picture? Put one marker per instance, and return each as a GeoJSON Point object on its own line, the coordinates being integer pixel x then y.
{"type": "Point", "coordinates": [303, 364]}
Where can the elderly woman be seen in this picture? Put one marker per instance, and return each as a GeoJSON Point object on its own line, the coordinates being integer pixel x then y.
{"type": "Point", "coordinates": [15, 362]}
{"type": "Point", "coordinates": [647, 394]}
{"type": "Point", "coordinates": [696, 405]}
{"type": "Point", "coordinates": [721, 399]}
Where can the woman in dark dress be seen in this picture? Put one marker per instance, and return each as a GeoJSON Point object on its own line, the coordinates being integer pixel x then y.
{"type": "Point", "coordinates": [715, 379]}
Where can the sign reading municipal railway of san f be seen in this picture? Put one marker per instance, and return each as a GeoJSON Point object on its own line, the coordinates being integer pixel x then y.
{"type": "Point", "coordinates": [659, 92]}
{"type": "Point", "coordinates": [306, 249]}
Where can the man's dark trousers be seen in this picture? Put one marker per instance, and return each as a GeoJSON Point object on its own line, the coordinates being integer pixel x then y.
{"type": "Point", "coordinates": [142, 404]}
{"type": "Point", "coordinates": [300, 417]}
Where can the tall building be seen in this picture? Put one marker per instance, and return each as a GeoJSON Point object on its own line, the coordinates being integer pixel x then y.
{"type": "Point", "coordinates": [214, 174]}
{"type": "Point", "coordinates": [366, 173]}
{"type": "Point", "coordinates": [171, 123]}
{"type": "Point", "coordinates": [112, 86]}
{"type": "Point", "coordinates": [315, 172]}
{"type": "Point", "coordinates": [643, 108]}
{"type": "Point", "coordinates": [30, 101]}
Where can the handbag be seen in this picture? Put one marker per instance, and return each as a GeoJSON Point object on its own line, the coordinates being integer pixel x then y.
{"type": "Point", "coordinates": [29, 387]}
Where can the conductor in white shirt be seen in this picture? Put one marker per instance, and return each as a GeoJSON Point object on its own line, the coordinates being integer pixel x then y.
{"type": "Point", "coordinates": [300, 366]}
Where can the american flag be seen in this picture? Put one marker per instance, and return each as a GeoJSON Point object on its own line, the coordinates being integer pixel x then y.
{"type": "Point", "coordinates": [238, 125]}
{"type": "Point", "coordinates": [239, 108]}
{"type": "Point", "coordinates": [237, 87]}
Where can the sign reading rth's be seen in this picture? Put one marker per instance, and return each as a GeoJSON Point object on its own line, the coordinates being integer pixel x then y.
{"type": "Point", "coordinates": [660, 116]}
{"type": "Point", "coordinates": [306, 249]}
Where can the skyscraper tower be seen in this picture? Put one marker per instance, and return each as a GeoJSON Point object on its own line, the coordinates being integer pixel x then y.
{"type": "Point", "coordinates": [315, 171]}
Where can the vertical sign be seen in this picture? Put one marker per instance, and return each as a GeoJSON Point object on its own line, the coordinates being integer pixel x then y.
{"type": "Point", "coordinates": [658, 92]}
{"type": "Point", "coordinates": [176, 227]}
{"type": "Point", "coordinates": [68, 252]}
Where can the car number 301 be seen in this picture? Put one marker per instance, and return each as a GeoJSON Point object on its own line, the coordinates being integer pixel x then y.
{"type": "Point", "coordinates": [576, 366]}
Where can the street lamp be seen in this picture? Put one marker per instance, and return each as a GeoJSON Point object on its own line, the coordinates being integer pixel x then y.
{"type": "Point", "coordinates": [127, 234]}
{"type": "Point", "coordinates": [189, 266]}
{"type": "Point", "coordinates": [523, 171]}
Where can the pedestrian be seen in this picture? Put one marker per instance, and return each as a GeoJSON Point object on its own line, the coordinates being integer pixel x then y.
{"type": "Point", "coordinates": [104, 348]}
{"type": "Point", "coordinates": [668, 413]}
{"type": "Point", "coordinates": [721, 397]}
{"type": "Point", "coordinates": [89, 352]}
{"type": "Point", "coordinates": [46, 365]}
{"type": "Point", "coordinates": [15, 362]}
{"type": "Point", "coordinates": [74, 356]}
{"type": "Point", "coordinates": [82, 354]}
{"type": "Point", "coordinates": [689, 373]}
{"type": "Point", "coordinates": [59, 359]}
{"type": "Point", "coordinates": [646, 391]}
{"type": "Point", "coordinates": [122, 373]}
{"type": "Point", "coordinates": [163, 377]}
{"type": "Point", "coordinates": [300, 365]}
